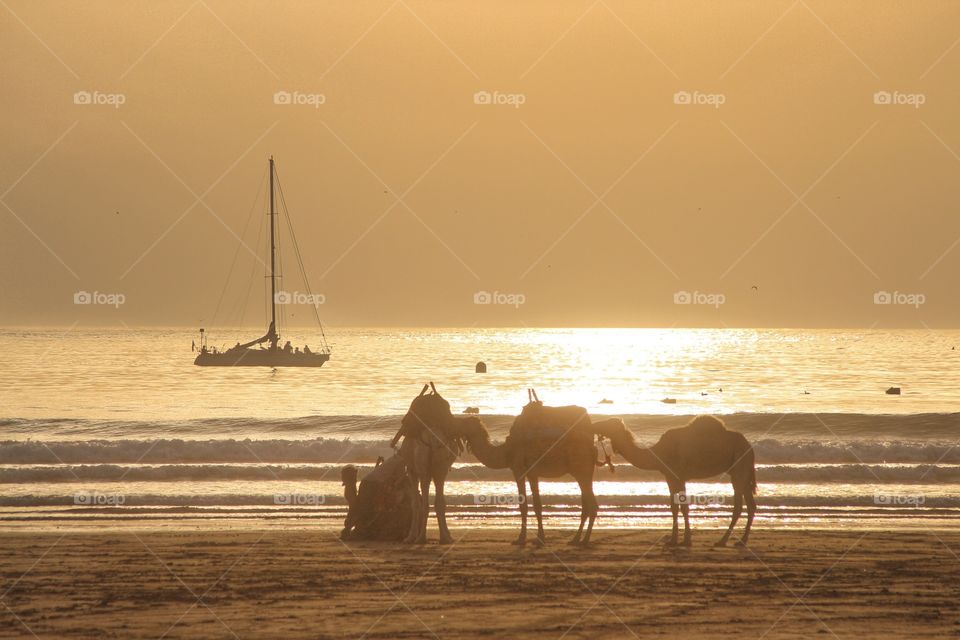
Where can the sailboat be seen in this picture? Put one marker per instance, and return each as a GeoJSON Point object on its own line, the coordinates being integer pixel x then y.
{"type": "Point", "coordinates": [266, 351]}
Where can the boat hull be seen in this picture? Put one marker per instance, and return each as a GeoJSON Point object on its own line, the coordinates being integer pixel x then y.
{"type": "Point", "coordinates": [260, 358]}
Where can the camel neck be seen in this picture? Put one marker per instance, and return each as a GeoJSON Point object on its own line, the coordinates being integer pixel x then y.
{"type": "Point", "coordinates": [350, 492]}
{"type": "Point", "coordinates": [640, 457]}
{"type": "Point", "coordinates": [494, 456]}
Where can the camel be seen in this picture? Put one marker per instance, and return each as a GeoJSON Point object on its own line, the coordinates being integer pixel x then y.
{"type": "Point", "coordinates": [544, 442]}
{"type": "Point", "coordinates": [429, 449]}
{"type": "Point", "coordinates": [381, 509]}
{"type": "Point", "coordinates": [702, 449]}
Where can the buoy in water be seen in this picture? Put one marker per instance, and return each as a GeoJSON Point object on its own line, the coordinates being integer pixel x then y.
{"type": "Point", "coordinates": [481, 367]}
{"type": "Point", "coordinates": [472, 410]}
{"type": "Point", "coordinates": [669, 401]}
{"type": "Point", "coordinates": [893, 391]}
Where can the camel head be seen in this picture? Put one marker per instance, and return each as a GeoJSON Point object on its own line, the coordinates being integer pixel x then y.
{"type": "Point", "coordinates": [429, 409]}
{"type": "Point", "coordinates": [348, 477]}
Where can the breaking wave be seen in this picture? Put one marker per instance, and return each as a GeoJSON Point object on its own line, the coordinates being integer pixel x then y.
{"type": "Point", "coordinates": [777, 473]}
{"type": "Point", "coordinates": [330, 450]}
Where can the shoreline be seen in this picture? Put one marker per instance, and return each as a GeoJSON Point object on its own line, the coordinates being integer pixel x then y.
{"type": "Point", "coordinates": [282, 583]}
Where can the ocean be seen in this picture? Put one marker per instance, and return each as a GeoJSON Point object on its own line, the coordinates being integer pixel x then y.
{"type": "Point", "coordinates": [100, 427]}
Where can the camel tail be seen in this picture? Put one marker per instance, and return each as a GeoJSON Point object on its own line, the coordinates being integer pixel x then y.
{"type": "Point", "coordinates": [753, 480]}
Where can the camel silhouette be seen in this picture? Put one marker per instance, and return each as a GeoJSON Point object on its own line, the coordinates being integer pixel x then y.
{"type": "Point", "coordinates": [428, 450]}
{"type": "Point", "coordinates": [380, 510]}
{"type": "Point", "coordinates": [544, 442]}
{"type": "Point", "coordinates": [702, 449]}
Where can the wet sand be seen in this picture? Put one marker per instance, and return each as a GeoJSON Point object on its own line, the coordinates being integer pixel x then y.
{"type": "Point", "coordinates": [275, 583]}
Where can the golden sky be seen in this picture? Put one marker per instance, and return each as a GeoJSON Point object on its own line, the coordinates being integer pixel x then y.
{"type": "Point", "coordinates": [603, 163]}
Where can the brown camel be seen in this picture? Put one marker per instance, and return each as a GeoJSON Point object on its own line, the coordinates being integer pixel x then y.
{"type": "Point", "coordinates": [429, 449]}
{"type": "Point", "coordinates": [544, 442]}
{"type": "Point", "coordinates": [381, 508]}
{"type": "Point", "coordinates": [702, 449]}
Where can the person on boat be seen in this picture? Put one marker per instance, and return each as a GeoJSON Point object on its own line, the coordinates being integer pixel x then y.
{"type": "Point", "coordinates": [306, 349]}
{"type": "Point", "coordinates": [297, 350]}
{"type": "Point", "coordinates": [287, 348]}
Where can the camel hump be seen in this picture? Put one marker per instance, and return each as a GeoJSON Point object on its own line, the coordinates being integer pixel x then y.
{"type": "Point", "coordinates": [386, 473]}
{"type": "Point", "coordinates": [702, 429]}
{"type": "Point", "coordinates": [707, 424]}
{"type": "Point", "coordinates": [550, 422]}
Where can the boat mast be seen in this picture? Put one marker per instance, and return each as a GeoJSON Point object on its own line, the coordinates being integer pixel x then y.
{"type": "Point", "coordinates": [274, 338]}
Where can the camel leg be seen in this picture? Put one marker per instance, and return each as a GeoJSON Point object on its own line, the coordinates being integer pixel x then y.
{"type": "Point", "coordinates": [590, 506]}
{"type": "Point", "coordinates": [440, 504]}
{"type": "Point", "coordinates": [685, 509]}
{"type": "Point", "coordinates": [751, 509]}
{"type": "Point", "coordinates": [537, 507]}
{"type": "Point", "coordinates": [414, 510]}
{"type": "Point", "coordinates": [674, 511]}
{"type": "Point", "coordinates": [522, 494]}
{"type": "Point", "coordinates": [737, 509]}
{"type": "Point", "coordinates": [424, 512]}
{"type": "Point", "coordinates": [583, 519]}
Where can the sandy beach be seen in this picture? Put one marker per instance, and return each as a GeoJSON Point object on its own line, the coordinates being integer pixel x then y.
{"type": "Point", "coordinates": [272, 583]}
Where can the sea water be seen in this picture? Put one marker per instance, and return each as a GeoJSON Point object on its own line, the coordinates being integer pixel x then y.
{"type": "Point", "coordinates": [117, 424]}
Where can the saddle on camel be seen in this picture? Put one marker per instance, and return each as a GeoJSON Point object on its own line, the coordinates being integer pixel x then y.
{"type": "Point", "coordinates": [393, 501]}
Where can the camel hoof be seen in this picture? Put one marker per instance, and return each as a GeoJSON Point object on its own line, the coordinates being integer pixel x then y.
{"type": "Point", "coordinates": [740, 543]}
{"type": "Point", "coordinates": [670, 544]}
{"type": "Point", "coordinates": [687, 544]}
{"type": "Point", "coordinates": [519, 541]}
{"type": "Point", "coordinates": [719, 544]}
{"type": "Point", "coordinates": [446, 540]}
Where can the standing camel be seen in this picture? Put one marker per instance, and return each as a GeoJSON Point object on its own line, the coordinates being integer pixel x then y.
{"type": "Point", "coordinates": [544, 442]}
{"type": "Point", "coordinates": [429, 449]}
{"type": "Point", "coordinates": [702, 449]}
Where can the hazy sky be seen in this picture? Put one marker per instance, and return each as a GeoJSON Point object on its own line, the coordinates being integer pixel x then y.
{"type": "Point", "coordinates": [589, 187]}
